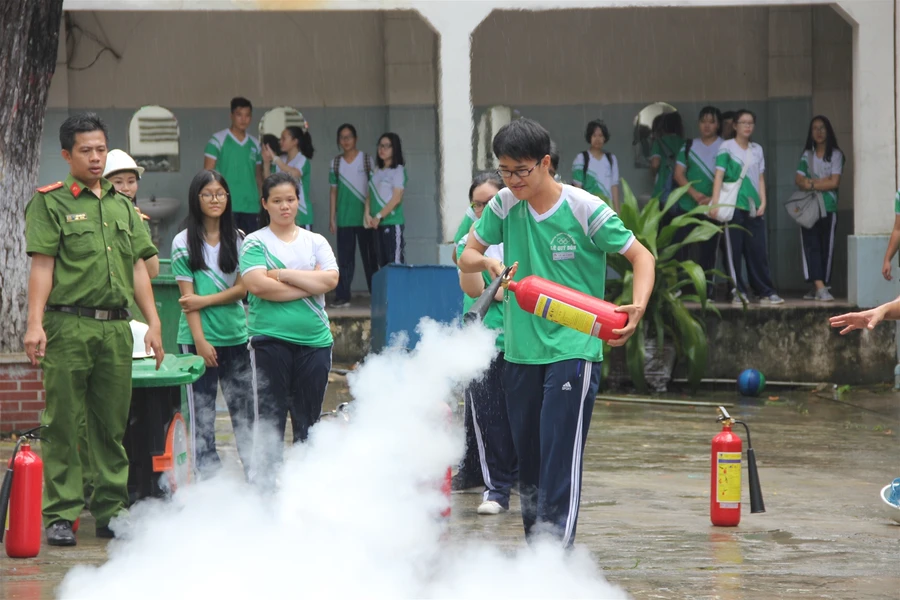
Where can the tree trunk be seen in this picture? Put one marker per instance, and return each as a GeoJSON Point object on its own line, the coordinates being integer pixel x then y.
{"type": "Point", "coordinates": [29, 36]}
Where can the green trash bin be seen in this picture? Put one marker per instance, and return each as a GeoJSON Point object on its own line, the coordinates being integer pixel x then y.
{"type": "Point", "coordinates": [158, 436]}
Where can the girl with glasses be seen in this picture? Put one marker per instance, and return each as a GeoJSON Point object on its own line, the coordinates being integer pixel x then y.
{"type": "Point", "coordinates": [386, 194]}
{"type": "Point", "coordinates": [819, 171]}
{"type": "Point", "coordinates": [213, 324]}
{"type": "Point", "coordinates": [486, 415]}
{"type": "Point", "coordinates": [749, 241]}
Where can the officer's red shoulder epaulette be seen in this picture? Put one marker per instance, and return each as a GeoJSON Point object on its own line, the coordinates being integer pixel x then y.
{"type": "Point", "coordinates": [51, 187]}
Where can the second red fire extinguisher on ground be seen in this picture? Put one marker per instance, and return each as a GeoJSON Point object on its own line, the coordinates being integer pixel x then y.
{"type": "Point", "coordinates": [725, 475]}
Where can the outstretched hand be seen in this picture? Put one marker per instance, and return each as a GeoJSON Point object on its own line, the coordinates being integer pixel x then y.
{"type": "Point", "coordinates": [867, 319]}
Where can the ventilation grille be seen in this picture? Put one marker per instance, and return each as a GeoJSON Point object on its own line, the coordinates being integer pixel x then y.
{"type": "Point", "coordinates": [157, 129]}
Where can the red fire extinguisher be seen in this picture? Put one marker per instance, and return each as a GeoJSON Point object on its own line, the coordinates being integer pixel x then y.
{"type": "Point", "coordinates": [20, 500]}
{"type": "Point", "coordinates": [557, 303]}
{"type": "Point", "coordinates": [725, 475]}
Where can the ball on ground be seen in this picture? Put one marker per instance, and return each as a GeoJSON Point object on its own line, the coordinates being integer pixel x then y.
{"type": "Point", "coordinates": [751, 382]}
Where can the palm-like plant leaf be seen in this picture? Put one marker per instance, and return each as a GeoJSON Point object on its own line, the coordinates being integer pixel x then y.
{"type": "Point", "coordinates": [666, 313]}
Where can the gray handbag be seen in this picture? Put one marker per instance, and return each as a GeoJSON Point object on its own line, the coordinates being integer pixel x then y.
{"type": "Point", "coordinates": [806, 208]}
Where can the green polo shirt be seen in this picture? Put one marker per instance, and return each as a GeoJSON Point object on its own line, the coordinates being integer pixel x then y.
{"type": "Point", "coordinates": [95, 242]}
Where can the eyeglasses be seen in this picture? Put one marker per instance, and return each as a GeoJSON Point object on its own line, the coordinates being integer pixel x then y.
{"type": "Point", "coordinates": [478, 205]}
{"type": "Point", "coordinates": [221, 195]}
{"type": "Point", "coordinates": [746, 123]}
{"type": "Point", "coordinates": [384, 146]}
{"type": "Point", "coordinates": [520, 173]}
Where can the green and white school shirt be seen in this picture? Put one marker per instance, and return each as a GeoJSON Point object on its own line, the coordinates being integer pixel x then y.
{"type": "Point", "coordinates": [602, 175]}
{"type": "Point", "coordinates": [304, 321]}
{"type": "Point", "coordinates": [897, 203]}
{"type": "Point", "coordinates": [493, 318]}
{"type": "Point", "coordinates": [568, 245]}
{"type": "Point", "coordinates": [352, 185]}
{"type": "Point", "coordinates": [237, 161]}
{"type": "Point", "coordinates": [223, 324]}
{"type": "Point", "coordinates": [465, 226]}
{"type": "Point", "coordinates": [381, 190]}
{"type": "Point", "coordinates": [731, 160]}
{"type": "Point", "coordinates": [700, 169]}
{"type": "Point", "coordinates": [304, 206]}
{"type": "Point", "coordinates": [666, 150]}
{"type": "Point", "coordinates": [823, 169]}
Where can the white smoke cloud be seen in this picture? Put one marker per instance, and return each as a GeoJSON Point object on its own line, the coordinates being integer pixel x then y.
{"type": "Point", "coordinates": [356, 512]}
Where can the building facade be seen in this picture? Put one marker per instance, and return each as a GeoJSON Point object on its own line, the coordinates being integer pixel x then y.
{"type": "Point", "coordinates": [429, 70]}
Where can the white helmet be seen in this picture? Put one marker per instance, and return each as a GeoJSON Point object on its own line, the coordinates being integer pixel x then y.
{"type": "Point", "coordinates": [118, 160]}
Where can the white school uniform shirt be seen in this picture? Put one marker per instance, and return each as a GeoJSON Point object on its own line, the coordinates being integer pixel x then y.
{"type": "Point", "coordinates": [303, 254]}
{"type": "Point", "coordinates": [758, 161]}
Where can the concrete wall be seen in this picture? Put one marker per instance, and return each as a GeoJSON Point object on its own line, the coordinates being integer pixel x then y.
{"type": "Point", "coordinates": [373, 69]}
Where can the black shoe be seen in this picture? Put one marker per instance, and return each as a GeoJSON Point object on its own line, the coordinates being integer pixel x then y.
{"type": "Point", "coordinates": [60, 534]}
{"type": "Point", "coordinates": [464, 480]}
{"type": "Point", "coordinates": [104, 532]}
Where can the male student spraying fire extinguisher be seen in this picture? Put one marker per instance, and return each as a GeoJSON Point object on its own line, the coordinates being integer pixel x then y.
{"type": "Point", "coordinates": [563, 234]}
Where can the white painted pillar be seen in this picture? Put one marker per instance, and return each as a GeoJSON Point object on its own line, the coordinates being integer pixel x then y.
{"type": "Point", "coordinates": [455, 119]}
{"type": "Point", "coordinates": [874, 145]}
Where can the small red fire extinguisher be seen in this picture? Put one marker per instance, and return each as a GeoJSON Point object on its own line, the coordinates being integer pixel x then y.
{"type": "Point", "coordinates": [725, 475]}
{"type": "Point", "coordinates": [20, 500]}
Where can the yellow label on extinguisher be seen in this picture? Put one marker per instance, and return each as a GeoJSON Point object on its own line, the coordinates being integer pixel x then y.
{"type": "Point", "coordinates": [728, 478]}
{"type": "Point", "coordinates": [566, 315]}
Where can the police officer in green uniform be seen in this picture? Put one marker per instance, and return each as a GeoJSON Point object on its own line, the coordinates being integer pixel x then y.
{"type": "Point", "coordinates": [85, 242]}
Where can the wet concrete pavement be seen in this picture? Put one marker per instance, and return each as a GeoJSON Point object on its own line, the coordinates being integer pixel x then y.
{"type": "Point", "coordinates": [645, 504]}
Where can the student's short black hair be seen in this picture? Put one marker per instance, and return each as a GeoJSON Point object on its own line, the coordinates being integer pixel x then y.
{"type": "Point", "coordinates": [484, 177]}
{"type": "Point", "coordinates": [240, 102]}
{"type": "Point", "coordinates": [522, 139]}
{"type": "Point", "coordinates": [273, 143]}
{"type": "Point", "coordinates": [714, 112]}
{"type": "Point", "coordinates": [672, 124]}
{"type": "Point", "coordinates": [397, 158]}
{"type": "Point", "coordinates": [273, 181]}
{"type": "Point", "coordinates": [343, 127]}
{"type": "Point", "coordinates": [304, 140]}
{"type": "Point", "coordinates": [744, 111]}
{"type": "Point", "coordinates": [593, 126]}
{"type": "Point", "coordinates": [728, 115]}
{"type": "Point", "coordinates": [554, 156]}
{"type": "Point", "coordinates": [80, 123]}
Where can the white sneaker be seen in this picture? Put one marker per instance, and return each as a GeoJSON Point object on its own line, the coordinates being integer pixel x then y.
{"type": "Point", "coordinates": [824, 295]}
{"type": "Point", "coordinates": [738, 299]}
{"type": "Point", "coordinates": [810, 295]}
{"type": "Point", "coordinates": [772, 299]}
{"type": "Point", "coordinates": [490, 507]}
{"type": "Point", "coordinates": [340, 305]}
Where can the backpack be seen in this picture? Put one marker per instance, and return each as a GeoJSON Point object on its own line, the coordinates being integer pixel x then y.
{"type": "Point", "coordinates": [587, 159]}
{"type": "Point", "coordinates": [336, 165]}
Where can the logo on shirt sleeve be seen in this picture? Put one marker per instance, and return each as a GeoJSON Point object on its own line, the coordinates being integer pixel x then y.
{"type": "Point", "coordinates": [563, 247]}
